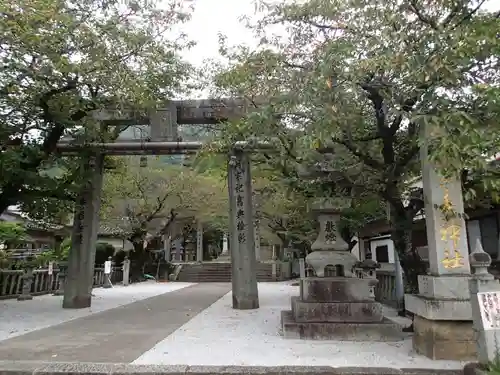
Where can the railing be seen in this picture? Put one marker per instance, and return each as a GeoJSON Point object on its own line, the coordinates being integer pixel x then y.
{"type": "Point", "coordinates": [385, 291]}
{"type": "Point", "coordinates": [11, 281]}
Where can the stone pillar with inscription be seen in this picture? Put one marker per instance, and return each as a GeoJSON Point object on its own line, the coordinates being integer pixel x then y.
{"type": "Point", "coordinates": [442, 310]}
{"type": "Point", "coordinates": [242, 236]}
{"type": "Point", "coordinates": [199, 242]}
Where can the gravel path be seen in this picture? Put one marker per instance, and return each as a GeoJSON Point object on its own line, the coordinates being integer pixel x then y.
{"type": "Point", "coordinates": [223, 336]}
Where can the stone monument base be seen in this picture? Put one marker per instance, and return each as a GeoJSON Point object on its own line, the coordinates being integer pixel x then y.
{"type": "Point", "coordinates": [338, 308]}
{"type": "Point", "coordinates": [223, 259]}
{"type": "Point", "coordinates": [442, 322]}
{"type": "Point", "coordinates": [386, 330]}
{"type": "Point", "coordinates": [444, 339]}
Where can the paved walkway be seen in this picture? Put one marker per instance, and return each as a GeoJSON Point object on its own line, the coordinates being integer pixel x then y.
{"type": "Point", "coordinates": [22, 317]}
{"type": "Point", "coordinates": [117, 335]}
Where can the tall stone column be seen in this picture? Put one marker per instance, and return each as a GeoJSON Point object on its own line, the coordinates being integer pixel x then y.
{"type": "Point", "coordinates": [80, 272]}
{"type": "Point", "coordinates": [225, 245]}
{"type": "Point", "coordinates": [443, 319]}
{"type": "Point", "coordinates": [167, 247]}
{"type": "Point", "coordinates": [224, 256]}
{"type": "Point", "coordinates": [242, 236]}
{"type": "Point", "coordinates": [199, 242]}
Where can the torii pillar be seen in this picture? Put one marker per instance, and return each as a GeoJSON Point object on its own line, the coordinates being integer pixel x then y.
{"type": "Point", "coordinates": [242, 236]}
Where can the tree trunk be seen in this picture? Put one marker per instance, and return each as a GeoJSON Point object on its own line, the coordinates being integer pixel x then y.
{"type": "Point", "coordinates": [401, 235]}
{"type": "Point", "coordinates": [8, 197]}
{"type": "Point", "coordinates": [137, 260]}
{"type": "Point", "coordinates": [5, 202]}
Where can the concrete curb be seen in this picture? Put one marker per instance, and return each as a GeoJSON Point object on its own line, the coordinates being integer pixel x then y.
{"type": "Point", "coordinates": [54, 368]}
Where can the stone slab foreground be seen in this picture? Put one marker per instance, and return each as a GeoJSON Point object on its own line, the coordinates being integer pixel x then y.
{"type": "Point", "coordinates": [116, 335]}
{"type": "Point", "coordinates": [55, 368]}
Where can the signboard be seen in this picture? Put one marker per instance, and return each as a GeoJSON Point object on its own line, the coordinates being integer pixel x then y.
{"type": "Point", "coordinates": [209, 111]}
{"type": "Point", "coordinates": [51, 268]}
{"type": "Point", "coordinates": [107, 267]}
{"type": "Point", "coordinates": [489, 306]}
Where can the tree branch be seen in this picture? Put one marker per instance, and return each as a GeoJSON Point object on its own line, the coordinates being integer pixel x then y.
{"type": "Point", "coordinates": [365, 158]}
{"type": "Point", "coordinates": [418, 12]}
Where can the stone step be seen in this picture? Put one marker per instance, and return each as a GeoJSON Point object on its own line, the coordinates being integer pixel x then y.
{"type": "Point", "coordinates": [218, 272]}
{"type": "Point", "coordinates": [386, 330]}
{"type": "Point", "coordinates": [216, 279]}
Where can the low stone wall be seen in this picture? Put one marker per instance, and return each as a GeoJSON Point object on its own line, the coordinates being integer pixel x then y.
{"type": "Point", "coordinates": [11, 281]}
{"type": "Point", "coordinates": [29, 368]}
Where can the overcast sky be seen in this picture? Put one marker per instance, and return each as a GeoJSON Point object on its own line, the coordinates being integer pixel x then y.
{"type": "Point", "coordinates": [222, 16]}
{"type": "Point", "coordinates": [212, 17]}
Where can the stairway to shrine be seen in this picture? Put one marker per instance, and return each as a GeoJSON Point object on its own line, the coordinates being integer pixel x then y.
{"type": "Point", "coordinates": [219, 272]}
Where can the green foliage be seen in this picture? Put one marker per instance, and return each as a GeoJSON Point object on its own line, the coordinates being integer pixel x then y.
{"type": "Point", "coordinates": [103, 252]}
{"type": "Point", "coordinates": [59, 254]}
{"type": "Point", "coordinates": [12, 232]}
{"type": "Point", "coordinates": [142, 202]}
{"type": "Point", "coordinates": [63, 61]}
{"type": "Point", "coordinates": [363, 79]}
{"type": "Point", "coordinates": [367, 77]}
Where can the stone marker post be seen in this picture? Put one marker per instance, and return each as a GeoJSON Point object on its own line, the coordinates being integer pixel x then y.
{"type": "Point", "coordinates": [274, 271]}
{"type": "Point", "coordinates": [50, 272]}
{"type": "Point", "coordinates": [241, 224]}
{"type": "Point", "coordinates": [400, 289]}
{"type": "Point", "coordinates": [443, 320]}
{"type": "Point", "coordinates": [108, 265]}
{"type": "Point", "coordinates": [26, 287]}
{"type": "Point", "coordinates": [302, 268]}
{"type": "Point", "coordinates": [126, 271]}
{"type": "Point", "coordinates": [224, 255]}
{"type": "Point", "coordinates": [61, 279]}
{"type": "Point", "coordinates": [199, 242]}
{"type": "Point", "coordinates": [167, 248]}
{"type": "Point", "coordinates": [485, 304]}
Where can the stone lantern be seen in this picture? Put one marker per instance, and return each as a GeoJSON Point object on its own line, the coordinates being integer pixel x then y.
{"type": "Point", "coordinates": [335, 303]}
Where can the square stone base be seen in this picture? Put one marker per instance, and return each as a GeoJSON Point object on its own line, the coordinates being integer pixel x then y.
{"type": "Point", "coordinates": [386, 330]}
{"type": "Point", "coordinates": [442, 339]}
{"type": "Point", "coordinates": [337, 312]}
{"type": "Point", "coordinates": [438, 309]}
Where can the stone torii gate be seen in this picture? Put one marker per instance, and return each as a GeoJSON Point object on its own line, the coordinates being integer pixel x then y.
{"type": "Point", "coordinates": [163, 124]}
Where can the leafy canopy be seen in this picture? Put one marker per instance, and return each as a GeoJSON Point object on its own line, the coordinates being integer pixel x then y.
{"type": "Point", "coordinates": [62, 61]}
{"type": "Point", "coordinates": [360, 80]}
{"type": "Point", "coordinates": [140, 201]}
{"type": "Point", "coordinates": [366, 77]}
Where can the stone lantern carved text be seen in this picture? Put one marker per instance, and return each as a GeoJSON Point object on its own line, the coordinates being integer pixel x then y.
{"type": "Point", "coordinates": [330, 235]}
